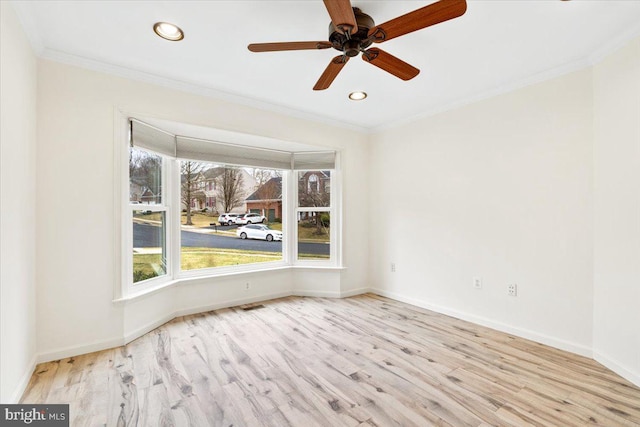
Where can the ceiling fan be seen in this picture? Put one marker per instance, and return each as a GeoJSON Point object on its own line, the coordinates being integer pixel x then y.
{"type": "Point", "coordinates": [352, 32]}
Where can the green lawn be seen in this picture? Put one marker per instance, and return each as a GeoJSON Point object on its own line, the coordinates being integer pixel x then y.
{"type": "Point", "coordinates": [312, 256]}
{"type": "Point", "coordinates": [143, 266]}
{"type": "Point", "coordinates": [195, 258]}
{"type": "Point", "coordinates": [199, 219]}
{"type": "Point", "coordinates": [305, 232]}
{"type": "Point", "coordinates": [154, 216]}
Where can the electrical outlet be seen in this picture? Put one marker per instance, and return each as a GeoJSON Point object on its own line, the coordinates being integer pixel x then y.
{"type": "Point", "coordinates": [247, 286]}
{"type": "Point", "coordinates": [512, 290]}
{"type": "Point", "coordinates": [477, 282]}
{"type": "Point", "coordinates": [393, 267]}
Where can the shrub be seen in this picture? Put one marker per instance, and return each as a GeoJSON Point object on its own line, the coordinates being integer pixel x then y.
{"type": "Point", "coordinates": [139, 275]}
{"type": "Point", "coordinates": [325, 219]}
{"type": "Point", "coordinates": [277, 220]}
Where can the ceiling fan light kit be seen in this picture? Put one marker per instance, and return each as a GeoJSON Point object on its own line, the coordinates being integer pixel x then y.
{"type": "Point", "coordinates": [352, 32]}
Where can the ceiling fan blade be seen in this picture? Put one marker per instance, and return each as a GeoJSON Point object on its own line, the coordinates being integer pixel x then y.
{"type": "Point", "coordinates": [331, 72]}
{"type": "Point", "coordinates": [342, 15]}
{"type": "Point", "coordinates": [390, 63]}
{"type": "Point", "coordinates": [432, 14]}
{"type": "Point", "coordinates": [280, 46]}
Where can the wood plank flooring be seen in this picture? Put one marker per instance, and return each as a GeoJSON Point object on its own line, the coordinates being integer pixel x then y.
{"type": "Point", "coordinates": [360, 361]}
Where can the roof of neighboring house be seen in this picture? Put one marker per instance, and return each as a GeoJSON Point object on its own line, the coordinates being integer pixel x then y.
{"type": "Point", "coordinates": [213, 173]}
{"type": "Point", "coordinates": [264, 189]}
{"type": "Point", "coordinates": [203, 175]}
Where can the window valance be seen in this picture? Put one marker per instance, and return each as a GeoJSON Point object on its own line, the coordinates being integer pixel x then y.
{"type": "Point", "coordinates": [154, 139]}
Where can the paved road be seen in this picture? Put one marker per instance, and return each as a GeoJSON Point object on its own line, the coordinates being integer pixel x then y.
{"type": "Point", "coordinates": [148, 236]}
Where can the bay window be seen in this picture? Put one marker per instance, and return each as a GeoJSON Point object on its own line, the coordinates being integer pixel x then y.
{"type": "Point", "coordinates": [179, 186]}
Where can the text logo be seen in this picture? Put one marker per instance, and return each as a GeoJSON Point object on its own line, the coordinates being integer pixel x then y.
{"type": "Point", "coordinates": [34, 415]}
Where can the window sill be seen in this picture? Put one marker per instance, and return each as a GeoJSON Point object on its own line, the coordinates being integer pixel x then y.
{"type": "Point", "coordinates": [133, 296]}
{"type": "Point", "coordinates": [317, 267]}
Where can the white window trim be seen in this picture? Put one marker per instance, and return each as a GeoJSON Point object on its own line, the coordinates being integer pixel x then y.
{"type": "Point", "coordinates": [167, 206]}
{"type": "Point", "coordinates": [123, 220]}
{"type": "Point", "coordinates": [334, 210]}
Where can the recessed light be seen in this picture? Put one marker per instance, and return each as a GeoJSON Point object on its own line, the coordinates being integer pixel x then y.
{"type": "Point", "coordinates": [168, 31]}
{"type": "Point", "coordinates": [357, 96]}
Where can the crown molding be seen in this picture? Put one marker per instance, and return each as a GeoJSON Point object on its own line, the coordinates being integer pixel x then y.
{"type": "Point", "coordinates": [594, 58]}
{"type": "Point", "coordinates": [170, 83]}
{"type": "Point", "coordinates": [500, 90]}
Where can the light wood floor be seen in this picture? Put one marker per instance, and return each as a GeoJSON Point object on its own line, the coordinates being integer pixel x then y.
{"type": "Point", "coordinates": [366, 361]}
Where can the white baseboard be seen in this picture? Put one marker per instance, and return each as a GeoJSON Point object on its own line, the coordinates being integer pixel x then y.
{"type": "Point", "coordinates": [24, 381]}
{"type": "Point", "coordinates": [132, 335]}
{"type": "Point", "coordinates": [331, 294]}
{"type": "Point", "coordinates": [572, 347]}
{"type": "Point", "coordinates": [231, 303]}
{"type": "Point", "coordinates": [354, 292]}
{"type": "Point", "coordinates": [138, 332]}
{"type": "Point", "coordinates": [316, 293]}
{"type": "Point", "coordinates": [616, 367]}
{"type": "Point", "coordinates": [73, 351]}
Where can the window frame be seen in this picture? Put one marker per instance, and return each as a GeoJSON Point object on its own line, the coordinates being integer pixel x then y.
{"type": "Point", "coordinates": [123, 221]}
{"type": "Point", "coordinates": [218, 271]}
{"type": "Point", "coordinates": [334, 232]}
{"type": "Point", "coordinates": [166, 207]}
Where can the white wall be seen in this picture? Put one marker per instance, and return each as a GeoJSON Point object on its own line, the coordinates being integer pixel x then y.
{"type": "Point", "coordinates": [77, 272]}
{"type": "Point", "coordinates": [17, 199]}
{"type": "Point", "coordinates": [500, 189]}
{"type": "Point", "coordinates": [617, 211]}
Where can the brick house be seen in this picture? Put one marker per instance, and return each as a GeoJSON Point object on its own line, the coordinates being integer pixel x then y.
{"type": "Point", "coordinates": [267, 199]}
{"type": "Point", "coordinates": [314, 189]}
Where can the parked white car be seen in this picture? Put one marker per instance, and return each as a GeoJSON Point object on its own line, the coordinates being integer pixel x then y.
{"type": "Point", "coordinates": [228, 218]}
{"type": "Point", "coordinates": [258, 231]}
{"type": "Point", "coordinates": [251, 218]}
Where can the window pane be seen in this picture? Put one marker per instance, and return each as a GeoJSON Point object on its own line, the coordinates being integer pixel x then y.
{"type": "Point", "coordinates": [145, 177]}
{"type": "Point", "coordinates": [314, 189]}
{"type": "Point", "coordinates": [213, 199]}
{"type": "Point", "coordinates": [149, 245]}
{"type": "Point", "coordinates": [314, 235]}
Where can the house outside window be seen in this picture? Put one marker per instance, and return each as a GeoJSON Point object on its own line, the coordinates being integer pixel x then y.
{"type": "Point", "coordinates": [267, 200]}
{"type": "Point", "coordinates": [313, 184]}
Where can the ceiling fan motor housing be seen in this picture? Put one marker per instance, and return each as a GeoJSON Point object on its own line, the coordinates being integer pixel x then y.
{"type": "Point", "coordinates": [357, 42]}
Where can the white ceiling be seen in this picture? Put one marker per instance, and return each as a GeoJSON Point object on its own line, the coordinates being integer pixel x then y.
{"type": "Point", "coordinates": [495, 46]}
